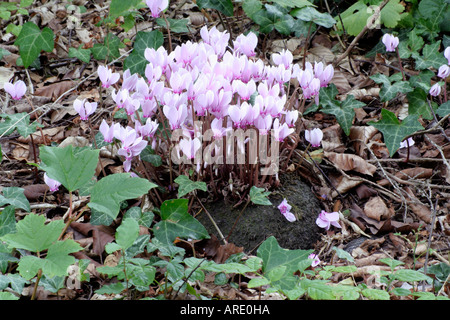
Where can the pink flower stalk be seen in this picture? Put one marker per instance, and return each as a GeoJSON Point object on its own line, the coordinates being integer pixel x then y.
{"type": "Point", "coordinates": [16, 90]}
{"type": "Point", "coordinates": [327, 219]}
{"type": "Point", "coordinates": [107, 77]}
{"type": "Point", "coordinates": [314, 137]}
{"type": "Point", "coordinates": [246, 44]}
{"type": "Point", "coordinates": [404, 143]}
{"type": "Point", "coordinates": [285, 210]}
{"type": "Point", "coordinates": [391, 42]}
{"type": "Point", "coordinates": [447, 54]}
{"type": "Point", "coordinates": [444, 71]}
{"type": "Point", "coordinates": [157, 6]}
{"type": "Point", "coordinates": [107, 131]}
{"type": "Point", "coordinates": [51, 183]}
{"type": "Point", "coordinates": [435, 90]}
{"type": "Point", "coordinates": [84, 109]}
{"type": "Point", "coordinates": [284, 58]}
{"type": "Point", "coordinates": [315, 260]}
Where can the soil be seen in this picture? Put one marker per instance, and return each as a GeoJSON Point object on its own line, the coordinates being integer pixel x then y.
{"type": "Point", "coordinates": [259, 222]}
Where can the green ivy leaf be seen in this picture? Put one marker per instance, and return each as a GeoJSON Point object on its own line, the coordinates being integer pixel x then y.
{"type": "Point", "coordinates": [7, 221]}
{"type": "Point", "coordinates": [292, 3]}
{"type": "Point", "coordinates": [311, 14]}
{"type": "Point", "coordinates": [430, 57]}
{"type": "Point", "coordinates": [395, 132]}
{"type": "Point", "coordinates": [224, 6]}
{"type": "Point", "coordinates": [19, 122]}
{"type": "Point", "coordinates": [418, 104]}
{"type": "Point", "coordinates": [388, 90]}
{"type": "Point", "coordinates": [80, 53]}
{"type": "Point", "coordinates": [187, 186]}
{"type": "Point", "coordinates": [127, 233]}
{"type": "Point", "coordinates": [259, 196]}
{"type": "Point", "coordinates": [109, 192]}
{"type": "Point", "coordinates": [32, 41]}
{"type": "Point", "coordinates": [344, 113]}
{"type": "Point", "coordinates": [149, 155]}
{"type": "Point", "coordinates": [136, 61]}
{"type": "Point", "coordinates": [444, 109]}
{"type": "Point", "coordinates": [15, 196]}
{"type": "Point", "coordinates": [108, 49]}
{"type": "Point", "coordinates": [119, 7]}
{"type": "Point", "coordinates": [177, 222]}
{"type": "Point", "coordinates": [175, 25]}
{"type": "Point", "coordinates": [375, 294]}
{"type": "Point", "coordinates": [72, 167]}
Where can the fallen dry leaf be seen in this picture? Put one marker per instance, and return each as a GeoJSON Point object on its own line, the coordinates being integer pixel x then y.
{"type": "Point", "coordinates": [99, 235]}
{"type": "Point", "coordinates": [376, 209]}
{"type": "Point", "coordinates": [347, 162]}
{"type": "Point", "coordinates": [54, 90]}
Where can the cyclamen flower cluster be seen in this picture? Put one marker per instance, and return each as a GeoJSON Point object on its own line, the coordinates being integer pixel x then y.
{"type": "Point", "coordinates": [226, 89]}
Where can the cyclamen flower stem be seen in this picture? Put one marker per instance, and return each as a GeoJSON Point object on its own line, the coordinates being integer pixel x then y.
{"type": "Point", "coordinates": [96, 147]}
{"type": "Point", "coordinates": [168, 32]}
{"type": "Point", "coordinates": [401, 65]}
{"type": "Point", "coordinates": [237, 219]}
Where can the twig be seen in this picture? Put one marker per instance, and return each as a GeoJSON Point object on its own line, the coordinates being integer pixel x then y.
{"type": "Point", "coordinates": [212, 221]}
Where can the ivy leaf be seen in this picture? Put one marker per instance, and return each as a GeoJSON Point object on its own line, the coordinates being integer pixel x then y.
{"type": "Point", "coordinates": [187, 186]}
{"type": "Point", "coordinates": [414, 44]}
{"type": "Point", "coordinates": [32, 41]}
{"type": "Point", "coordinates": [395, 132]}
{"type": "Point", "coordinates": [177, 222]}
{"type": "Point", "coordinates": [109, 192]}
{"type": "Point", "coordinates": [311, 14]}
{"type": "Point", "coordinates": [108, 49]}
{"type": "Point", "coordinates": [72, 167]}
{"type": "Point", "coordinates": [7, 222]}
{"type": "Point", "coordinates": [344, 113]}
{"type": "Point", "coordinates": [444, 109]}
{"type": "Point", "coordinates": [431, 57]}
{"type": "Point", "coordinates": [127, 233]}
{"type": "Point", "coordinates": [292, 3]}
{"type": "Point", "coordinates": [119, 7]}
{"type": "Point", "coordinates": [175, 25]}
{"type": "Point", "coordinates": [136, 61]}
{"type": "Point", "coordinates": [259, 196]}
{"type": "Point", "coordinates": [149, 155]}
{"type": "Point", "coordinates": [224, 6]}
{"type": "Point", "coordinates": [418, 104]}
{"type": "Point", "coordinates": [15, 196]}
{"type": "Point", "coordinates": [388, 90]}
{"type": "Point", "coordinates": [80, 53]}
{"type": "Point", "coordinates": [19, 122]}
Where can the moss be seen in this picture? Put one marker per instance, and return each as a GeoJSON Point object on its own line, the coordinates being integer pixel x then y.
{"type": "Point", "coordinates": [257, 223]}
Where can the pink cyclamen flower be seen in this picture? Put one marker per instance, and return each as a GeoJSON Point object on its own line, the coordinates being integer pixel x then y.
{"type": "Point", "coordinates": [444, 71]}
{"type": "Point", "coordinates": [157, 6]}
{"type": "Point", "coordinates": [405, 143]}
{"type": "Point", "coordinates": [285, 210]}
{"type": "Point", "coordinates": [326, 219]}
{"type": "Point", "coordinates": [107, 77]}
{"type": "Point", "coordinates": [390, 41]}
{"type": "Point", "coordinates": [107, 131]}
{"type": "Point", "coordinates": [246, 44]}
{"type": "Point", "coordinates": [323, 74]}
{"type": "Point", "coordinates": [16, 90]}
{"type": "Point", "coordinates": [51, 183]}
{"type": "Point", "coordinates": [315, 260]}
{"type": "Point", "coordinates": [284, 58]}
{"type": "Point", "coordinates": [84, 109]}
{"type": "Point", "coordinates": [314, 137]}
{"type": "Point", "coordinates": [447, 54]}
{"type": "Point", "coordinates": [435, 90]}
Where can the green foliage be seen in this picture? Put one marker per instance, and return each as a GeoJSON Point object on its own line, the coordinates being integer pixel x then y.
{"type": "Point", "coordinates": [177, 222]}
{"type": "Point", "coordinates": [108, 50]}
{"type": "Point", "coordinates": [106, 195]}
{"type": "Point", "coordinates": [185, 185]}
{"type": "Point", "coordinates": [390, 89]}
{"type": "Point", "coordinates": [72, 167]}
{"type": "Point", "coordinates": [32, 41]}
{"type": "Point", "coordinates": [80, 53]}
{"type": "Point", "coordinates": [19, 122]}
{"type": "Point", "coordinates": [224, 6]}
{"type": "Point", "coordinates": [175, 25]}
{"type": "Point", "coordinates": [395, 132]}
{"type": "Point", "coordinates": [136, 61]}
{"type": "Point", "coordinates": [14, 196]}
{"type": "Point", "coordinates": [36, 236]}
{"type": "Point", "coordinates": [259, 196]}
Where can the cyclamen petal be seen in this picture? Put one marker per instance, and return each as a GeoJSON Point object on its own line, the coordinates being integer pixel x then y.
{"type": "Point", "coordinates": [447, 54]}
{"type": "Point", "coordinates": [404, 143]}
{"type": "Point", "coordinates": [107, 131]}
{"type": "Point", "coordinates": [435, 90]}
{"type": "Point", "coordinates": [16, 90]}
{"type": "Point", "coordinates": [315, 260]}
{"type": "Point", "coordinates": [444, 71]}
{"type": "Point", "coordinates": [51, 183]}
{"type": "Point", "coordinates": [314, 137]}
{"type": "Point", "coordinates": [326, 219]}
{"type": "Point", "coordinates": [391, 42]}
{"type": "Point", "coordinates": [157, 6]}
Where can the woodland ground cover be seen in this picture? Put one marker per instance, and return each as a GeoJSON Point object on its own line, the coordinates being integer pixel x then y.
{"type": "Point", "coordinates": [120, 120]}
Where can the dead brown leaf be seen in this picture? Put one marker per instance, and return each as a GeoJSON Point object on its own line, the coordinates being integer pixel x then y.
{"type": "Point", "coordinates": [347, 162]}
{"type": "Point", "coordinates": [100, 235]}
{"type": "Point", "coordinates": [54, 90]}
{"type": "Point", "coordinates": [376, 209]}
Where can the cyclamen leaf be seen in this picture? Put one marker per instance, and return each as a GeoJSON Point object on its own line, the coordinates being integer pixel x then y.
{"type": "Point", "coordinates": [177, 222]}
{"type": "Point", "coordinates": [259, 196]}
{"type": "Point", "coordinates": [118, 7]}
{"type": "Point", "coordinates": [72, 167]}
{"type": "Point", "coordinates": [32, 41]}
{"type": "Point", "coordinates": [15, 196]}
{"type": "Point", "coordinates": [109, 192]}
{"type": "Point", "coordinates": [187, 186]}
{"type": "Point", "coordinates": [127, 233]}
{"type": "Point", "coordinates": [224, 6]}
{"type": "Point", "coordinates": [444, 109]}
{"type": "Point", "coordinates": [251, 7]}
{"type": "Point", "coordinates": [7, 221]}
{"type": "Point", "coordinates": [395, 132]}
